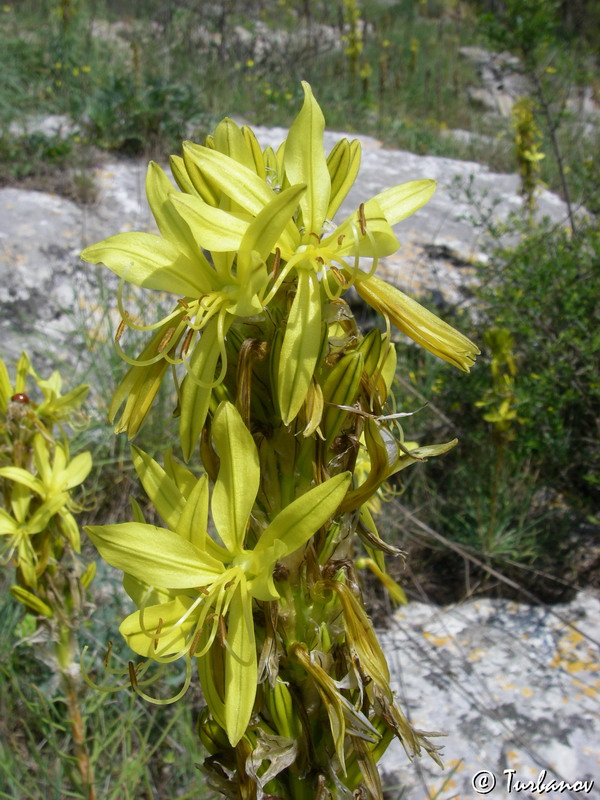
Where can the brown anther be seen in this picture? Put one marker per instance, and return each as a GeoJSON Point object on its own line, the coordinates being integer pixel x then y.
{"type": "Point", "coordinates": [158, 630]}
{"type": "Point", "coordinates": [132, 675]}
{"type": "Point", "coordinates": [316, 235]}
{"type": "Point", "coordinates": [222, 630]}
{"type": "Point", "coordinates": [185, 346]}
{"type": "Point", "coordinates": [195, 642]}
{"type": "Point", "coordinates": [182, 302]}
{"type": "Point", "coordinates": [120, 330]}
{"type": "Point", "coordinates": [276, 263]}
{"type": "Point", "coordinates": [202, 589]}
{"type": "Point", "coordinates": [338, 275]}
{"type": "Point", "coordinates": [362, 220]}
{"type": "Point", "coordinates": [319, 260]}
{"type": "Point", "coordinates": [166, 339]}
{"type": "Point", "coordinates": [107, 655]}
{"type": "Point", "coordinates": [340, 239]}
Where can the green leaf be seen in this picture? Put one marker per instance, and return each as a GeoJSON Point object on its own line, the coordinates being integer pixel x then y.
{"type": "Point", "coordinates": [238, 480]}
{"type": "Point", "coordinates": [241, 671]}
{"type": "Point", "coordinates": [154, 555]}
{"type": "Point", "coordinates": [304, 162]}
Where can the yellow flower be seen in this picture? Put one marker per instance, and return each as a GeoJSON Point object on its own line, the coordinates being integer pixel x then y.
{"type": "Point", "coordinates": [191, 589]}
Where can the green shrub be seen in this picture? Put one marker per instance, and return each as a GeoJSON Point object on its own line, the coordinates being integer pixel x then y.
{"type": "Point", "coordinates": [501, 483]}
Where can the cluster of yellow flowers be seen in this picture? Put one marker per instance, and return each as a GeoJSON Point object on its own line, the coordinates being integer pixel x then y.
{"type": "Point", "coordinates": [291, 409]}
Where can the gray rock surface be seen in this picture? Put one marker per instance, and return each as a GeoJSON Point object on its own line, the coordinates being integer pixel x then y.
{"type": "Point", "coordinates": [513, 687]}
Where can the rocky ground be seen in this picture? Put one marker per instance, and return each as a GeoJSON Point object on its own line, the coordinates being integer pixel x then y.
{"type": "Point", "coordinates": [512, 687]}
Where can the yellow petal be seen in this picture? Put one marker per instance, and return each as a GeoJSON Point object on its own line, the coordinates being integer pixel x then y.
{"type": "Point", "coordinates": [138, 627]}
{"type": "Point", "coordinates": [212, 228]}
{"type": "Point", "coordinates": [146, 260]}
{"type": "Point", "coordinates": [241, 671]}
{"type": "Point", "coordinates": [154, 555]}
{"type": "Point", "coordinates": [301, 346]}
{"type": "Point", "coordinates": [403, 200]}
{"type": "Point", "coordinates": [418, 323]}
{"type": "Point", "coordinates": [238, 479]}
{"type": "Point", "coordinates": [304, 162]}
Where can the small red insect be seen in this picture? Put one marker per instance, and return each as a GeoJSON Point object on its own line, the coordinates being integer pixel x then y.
{"type": "Point", "coordinates": [20, 397]}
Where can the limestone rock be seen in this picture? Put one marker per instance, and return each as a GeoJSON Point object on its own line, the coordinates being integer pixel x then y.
{"type": "Point", "coordinates": [513, 687]}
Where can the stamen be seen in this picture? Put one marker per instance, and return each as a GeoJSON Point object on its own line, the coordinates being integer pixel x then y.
{"type": "Point", "coordinates": [167, 701]}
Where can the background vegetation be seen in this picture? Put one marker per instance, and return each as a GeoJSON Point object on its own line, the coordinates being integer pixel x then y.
{"type": "Point", "coordinates": [520, 496]}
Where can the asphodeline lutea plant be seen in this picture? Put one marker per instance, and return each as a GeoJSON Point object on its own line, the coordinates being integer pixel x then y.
{"type": "Point", "coordinates": [39, 534]}
{"type": "Point", "coordinates": [291, 409]}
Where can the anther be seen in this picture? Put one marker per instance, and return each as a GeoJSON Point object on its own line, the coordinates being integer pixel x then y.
{"type": "Point", "coordinates": [132, 675]}
{"type": "Point", "coordinates": [222, 630]}
{"type": "Point", "coordinates": [107, 655]}
{"type": "Point", "coordinates": [195, 641]}
{"type": "Point", "coordinates": [186, 342]}
{"type": "Point", "coordinates": [166, 339]}
{"type": "Point", "coordinates": [120, 330]}
{"type": "Point", "coordinates": [362, 220]}
{"type": "Point", "coordinates": [158, 631]}
{"type": "Point", "coordinates": [276, 263]}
